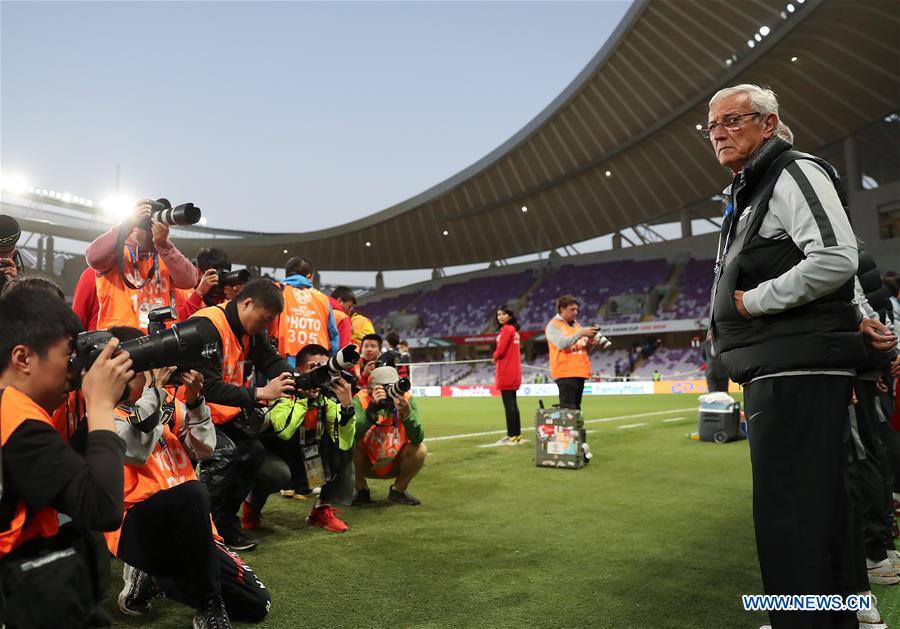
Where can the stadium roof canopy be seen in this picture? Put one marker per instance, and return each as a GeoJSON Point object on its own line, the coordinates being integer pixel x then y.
{"type": "Point", "coordinates": [619, 147]}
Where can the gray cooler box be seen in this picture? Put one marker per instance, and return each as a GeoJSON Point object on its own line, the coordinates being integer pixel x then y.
{"type": "Point", "coordinates": [720, 419]}
{"type": "Point", "coordinates": [558, 438]}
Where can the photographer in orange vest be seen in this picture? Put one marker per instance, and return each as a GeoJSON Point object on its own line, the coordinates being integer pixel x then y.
{"type": "Point", "coordinates": [570, 364]}
{"type": "Point", "coordinates": [307, 317]}
{"type": "Point", "coordinates": [141, 276]}
{"type": "Point", "coordinates": [44, 476]}
{"type": "Point", "coordinates": [236, 407]}
{"type": "Point", "coordinates": [162, 437]}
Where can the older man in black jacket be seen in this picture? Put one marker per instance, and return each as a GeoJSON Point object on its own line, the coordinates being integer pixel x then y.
{"type": "Point", "coordinates": [785, 325]}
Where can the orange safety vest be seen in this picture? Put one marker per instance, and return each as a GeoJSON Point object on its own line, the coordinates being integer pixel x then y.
{"type": "Point", "coordinates": [120, 305]}
{"type": "Point", "coordinates": [304, 320]}
{"type": "Point", "coordinates": [572, 362]}
{"type": "Point", "coordinates": [384, 439]}
{"type": "Point", "coordinates": [362, 326]}
{"type": "Point", "coordinates": [169, 465]}
{"type": "Point", "coordinates": [26, 523]}
{"type": "Point", "coordinates": [234, 352]}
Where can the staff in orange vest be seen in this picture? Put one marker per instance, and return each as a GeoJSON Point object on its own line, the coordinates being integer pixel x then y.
{"type": "Point", "coordinates": [307, 317]}
{"type": "Point", "coordinates": [162, 436]}
{"type": "Point", "coordinates": [570, 364]}
{"type": "Point", "coordinates": [42, 475]}
{"type": "Point", "coordinates": [152, 266]}
{"type": "Point", "coordinates": [241, 325]}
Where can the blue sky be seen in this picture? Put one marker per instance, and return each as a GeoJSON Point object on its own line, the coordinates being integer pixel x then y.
{"type": "Point", "coordinates": [278, 116]}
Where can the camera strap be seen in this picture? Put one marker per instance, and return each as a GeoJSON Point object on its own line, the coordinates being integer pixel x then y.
{"type": "Point", "coordinates": [120, 258]}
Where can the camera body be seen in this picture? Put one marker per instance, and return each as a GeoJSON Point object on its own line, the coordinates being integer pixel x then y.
{"type": "Point", "coordinates": [394, 390]}
{"type": "Point", "coordinates": [162, 211]}
{"type": "Point", "coordinates": [338, 366]}
{"type": "Point", "coordinates": [227, 277]}
{"type": "Point", "coordinates": [601, 340]}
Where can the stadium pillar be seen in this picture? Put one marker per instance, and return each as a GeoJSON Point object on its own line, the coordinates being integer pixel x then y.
{"type": "Point", "coordinates": [617, 241]}
{"type": "Point", "coordinates": [686, 230]}
{"type": "Point", "coordinates": [49, 255]}
{"type": "Point", "coordinates": [39, 256]}
{"type": "Point", "coordinates": [379, 281]}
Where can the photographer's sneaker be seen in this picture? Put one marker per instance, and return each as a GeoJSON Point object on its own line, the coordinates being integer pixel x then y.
{"type": "Point", "coordinates": [870, 617]}
{"type": "Point", "coordinates": [212, 615]}
{"type": "Point", "coordinates": [324, 517]}
{"type": "Point", "coordinates": [588, 455]}
{"type": "Point", "coordinates": [361, 498]}
{"type": "Point", "coordinates": [250, 518]}
{"type": "Point", "coordinates": [509, 441]}
{"type": "Point", "coordinates": [139, 590]}
{"type": "Point", "coordinates": [882, 572]}
{"type": "Point", "coordinates": [233, 537]}
{"type": "Point", "coordinates": [403, 497]}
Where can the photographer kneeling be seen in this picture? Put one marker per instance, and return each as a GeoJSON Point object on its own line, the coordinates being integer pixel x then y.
{"type": "Point", "coordinates": [53, 576]}
{"type": "Point", "coordinates": [166, 538]}
{"type": "Point", "coordinates": [241, 326]}
{"type": "Point", "coordinates": [388, 438]}
{"type": "Point", "coordinates": [311, 438]}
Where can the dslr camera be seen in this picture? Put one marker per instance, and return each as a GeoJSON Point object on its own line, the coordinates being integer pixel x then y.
{"type": "Point", "coordinates": [162, 211]}
{"type": "Point", "coordinates": [394, 390]}
{"type": "Point", "coordinates": [338, 366]}
{"type": "Point", "coordinates": [185, 344]}
{"type": "Point", "coordinates": [601, 340]}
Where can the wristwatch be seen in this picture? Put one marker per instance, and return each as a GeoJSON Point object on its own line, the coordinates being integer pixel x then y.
{"type": "Point", "coordinates": [195, 404]}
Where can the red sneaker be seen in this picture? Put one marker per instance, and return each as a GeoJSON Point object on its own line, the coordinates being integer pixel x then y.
{"type": "Point", "coordinates": [250, 519]}
{"type": "Point", "coordinates": [325, 518]}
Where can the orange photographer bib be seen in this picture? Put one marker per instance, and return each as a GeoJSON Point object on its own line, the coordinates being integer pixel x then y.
{"type": "Point", "coordinates": [168, 466]}
{"type": "Point", "coordinates": [26, 523]}
{"type": "Point", "coordinates": [120, 305]}
{"type": "Point", "coordinates": [573, 361]}
{"type": "Point", "coordinates": [384, 439]}
{"type": "Point", "coordinates": [304, 320]}
{"type": "Point", "coordinates": [234, 352]}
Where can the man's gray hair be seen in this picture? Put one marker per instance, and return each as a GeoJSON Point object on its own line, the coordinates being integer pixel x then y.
{"type": "Point", "coordinates": [784, 132]}
{"type": "Point", "coordinates": [763, 100]}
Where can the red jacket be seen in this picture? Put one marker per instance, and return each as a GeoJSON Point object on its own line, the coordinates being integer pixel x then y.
{"type": "Point", "coordinates": [344, 325]}
{"type": "Point", "coordinates": [85, 303]}
{"type": "Point", "coordinates": [509, 359]}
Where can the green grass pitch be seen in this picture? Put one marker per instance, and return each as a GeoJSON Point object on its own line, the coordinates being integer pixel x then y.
{"type": "Point", "coordinates": [655, 532]}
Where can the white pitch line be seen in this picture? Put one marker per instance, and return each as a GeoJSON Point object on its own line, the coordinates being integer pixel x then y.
{"type": "Point", "coordinates": [673, 419]}
{"type": "Point", "coordinates": [587, 421]}
{"type": "Point", "coordinates": [627, 426]}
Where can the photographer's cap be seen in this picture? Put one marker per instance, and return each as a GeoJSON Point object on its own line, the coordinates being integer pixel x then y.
{"type": "Point", "coordinates": [383, 376]}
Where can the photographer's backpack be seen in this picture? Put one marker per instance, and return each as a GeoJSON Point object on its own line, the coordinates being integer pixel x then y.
{"type": "Point", "coordinates": [558, 438]}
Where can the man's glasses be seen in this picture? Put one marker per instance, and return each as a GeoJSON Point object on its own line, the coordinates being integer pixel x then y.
{"type": "Point", "coordinates": [731, 123]}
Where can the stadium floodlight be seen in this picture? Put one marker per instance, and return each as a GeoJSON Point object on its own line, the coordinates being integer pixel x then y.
{"type": "Point", "coordinates": [368, 243]}
{"type": "Point", "coordinates": [67, 197]}
{"type": "Point", "coordinates": [446, 233]}
{"type": "Point", "coordinates": [202, 221]}
{"type": "Point", "coordinates": [89, 203]}
{"type": "Point", "coordinates": [751, 43]}
{"type": "Point", "coordinates": [791, 8]}
{"type": "Point", "coordinates": [524, 208]}
{"type": "Point", "coordinates": [758, 37]}
{"type": "Point", "coordinates": [728, 62]}
{"type": "Point", "coordinates": [284, 251]}
{"type": "Point", "coordinates": [764, 30]}
{"type": "Point", "coordinates": [800, 1]}
{"type": "Point", "coordinates": [117, 206]}
{"type": "Point", "coordinates": [14, 184]}
{"type": "Point", "coordinates": [794, 59]}
{"type": "Point", "coordinates": [608, 173]}
{"type": "Point", "coordinates": [698, 127]}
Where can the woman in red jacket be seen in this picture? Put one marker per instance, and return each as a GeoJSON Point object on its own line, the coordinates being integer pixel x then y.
{"type": "Point", "coordinates": [509, 373]}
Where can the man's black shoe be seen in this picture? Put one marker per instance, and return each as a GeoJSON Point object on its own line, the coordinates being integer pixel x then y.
{"type": "Point", "coordinates": [403, 497]}
{"type": "Point", "coordinates": [212, 615]}
{"type": "Point", "coordinates": [361, 497]}
{"type": "Point", "coordinates": [234, 538]}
